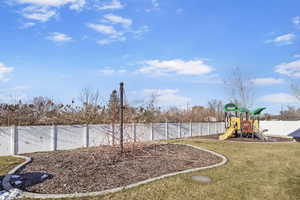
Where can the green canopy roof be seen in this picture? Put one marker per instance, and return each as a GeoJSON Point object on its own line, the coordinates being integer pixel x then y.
{"type": "Point", "coordinates": [244, 110]}
{"type": "Point", "coordinates": [230, 107]}
{"type": "Point", "coordinates": [258, 111]}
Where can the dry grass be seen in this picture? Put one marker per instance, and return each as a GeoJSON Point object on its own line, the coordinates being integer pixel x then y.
{"type": "Point", "coordinates": [6, 164]}
{"type": "Point", "coordinates": [254, 171]}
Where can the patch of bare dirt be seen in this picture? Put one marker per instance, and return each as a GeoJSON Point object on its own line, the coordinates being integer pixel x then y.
{"type": "Point", "coordinates": [101, 168]}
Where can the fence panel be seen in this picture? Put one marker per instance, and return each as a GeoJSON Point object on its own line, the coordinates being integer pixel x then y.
{"type": "Point", "coordinates": [5, 141]}
{"type": "Point", "coordinates": [34, 139]}
{"type": "Point", "coordinates": [185, 130]}
{"type": "Point", "coordinates": [173, 130]}
{"type": "Point", "coordinates": [158, 131]}
{"type": "Point", "coordinates": [100, 135]}
{"type": "Point", "coordinates": [143, 132]}
{"type": "Point", "coordinates": [70, 137]}
{"type": "Point", "coordinates": [195, 129]}
{"type": "Point", "coordinates": [280, 128]}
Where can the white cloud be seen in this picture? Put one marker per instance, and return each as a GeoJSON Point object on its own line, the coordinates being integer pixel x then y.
{"type": "Point", "coordinates": [296, 20]}
{"type": "Point", "coordinates": [267, 81]}
{"type": "Point", "coordinates": [109, 41]}
{"type": "Point", "coordinates": [44, 10]}
{"type": "Point", "coordinates": [114, 33]}
{"type": "Point", "coordinates": [59, 37]}
{"type": "Point", "coordinates": [283, 39]}
{"type": "Point", "coordinates": [104, 29]}
{"type": "Point", "coordinates": [74, 4]}
{"type": "Point", "coordinates": [297, 56]}
{"type": "Point", "coordinates": [27, 25]}
{"type": "Point", "coordinates": [278, 98]}
{"type": "Point", "coordinates": [291, 69]}
{"type": "Point", "coordinates": [115, 4]}
{"type": "Point", "coordinates": [5, 72]}
{"type": "Point", "coordinates": [104, 41]}
{"type": "Point", "coordinates": [177, 66]}
{"type": "Point", "coordinates": [22, 87]}
{"type": "Point", "coordinates": [77, 5]}
{"type": "Point", "coordinates": [41, 14]}
{"type": "Point", "coordinates": [167, 97]}
{"type": "Point", "coordinates": [115, 19]}
{"type": "Point", "coordinates": [110, 31]}
{"type": "Point", "coordinates": [138, 33]}
{"type": "Point", "coordinates": [110, 71]}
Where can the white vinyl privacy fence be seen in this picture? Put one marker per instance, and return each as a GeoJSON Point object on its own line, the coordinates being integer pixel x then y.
{"type": "Point", "coordinates": [281, 128]}
{"type": "Point", "coordinates": [26, 139]}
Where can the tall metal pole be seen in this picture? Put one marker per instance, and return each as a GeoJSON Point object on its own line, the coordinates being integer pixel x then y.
{"type": "Point", "coordinates": [121, 115]}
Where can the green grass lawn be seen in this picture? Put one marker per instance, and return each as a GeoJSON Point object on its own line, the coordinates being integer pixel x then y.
{"type": "Point", "coordinates": [254, 171]}
{"type": "Point", "coordinates": [6, 164]}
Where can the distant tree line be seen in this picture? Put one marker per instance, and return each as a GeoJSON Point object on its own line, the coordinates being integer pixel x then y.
{"type": "Point", "coordinates": [89, 110]}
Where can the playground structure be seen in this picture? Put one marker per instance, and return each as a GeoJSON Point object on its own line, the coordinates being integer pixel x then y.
{"type": "Point", "coordinates": [241, 122]}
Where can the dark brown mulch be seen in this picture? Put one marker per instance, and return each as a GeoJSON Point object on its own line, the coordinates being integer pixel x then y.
{"type": "Point", "coordinates": [244, 139]}
{"type": "Point", "coordinates": [101, 168]}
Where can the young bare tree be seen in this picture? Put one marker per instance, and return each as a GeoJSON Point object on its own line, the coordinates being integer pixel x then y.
{"type": "Point", "coordinates": [295, 87]}
{"type": "Point", "coordinates": [240, 88]}
{"type": "Point", "coordinates": [150, 112]}
{"type": "Point", "coordinates": [90, 100]}
{"type": "Point", "coordinates": [215, 109]}
{"type": "Point", "coordinates": [291, 113]}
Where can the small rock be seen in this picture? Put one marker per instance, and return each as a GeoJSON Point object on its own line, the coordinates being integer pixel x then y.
{"type": "Point", "coordinates": [202, 179]}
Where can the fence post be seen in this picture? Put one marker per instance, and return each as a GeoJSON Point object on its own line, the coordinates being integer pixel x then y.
{"type": "Point", "coordinates": [134, 132]}
{"type": "Point", "coordinates": [191, 129]}
{"type": "Point", "coordinates": [215, 128]}
{"type": "Point", "coordinates": [151, 131]}
{"type": "Point", "coordinates": [86, 136]}
{"type": "Point", "coordinates": [14, 140]}
{"type": "Point", "coordinates": [54, 138]}
{"type": "Point", "coordinates": [113, 133]}
{"type": "Point", "coordinates": [199, 128]}
{"type": "Point", "coordinates": [152, 137]}
{"type": "Point", "coordinates": [208, 128]}
{"type": "Point", "coordinates": [166, 130]}
{"type": "Point", "coordinates": [179, 130]}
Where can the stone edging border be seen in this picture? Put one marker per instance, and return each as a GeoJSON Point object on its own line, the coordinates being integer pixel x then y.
{"type": "Point", "coordinates": [7, 186]}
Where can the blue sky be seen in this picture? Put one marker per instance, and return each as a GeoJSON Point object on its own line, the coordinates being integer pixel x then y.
{"type": "Point", "coordinates": [179, 50]}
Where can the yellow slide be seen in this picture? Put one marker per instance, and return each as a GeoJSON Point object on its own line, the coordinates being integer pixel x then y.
{"type": "Point", "coordinates": [229, 132]}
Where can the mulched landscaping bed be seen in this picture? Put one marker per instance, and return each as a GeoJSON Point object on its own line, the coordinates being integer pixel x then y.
{"type": "Point", "coordinates": [244, 139]}
{"type": "Point", "coordinates": [101, 168]}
